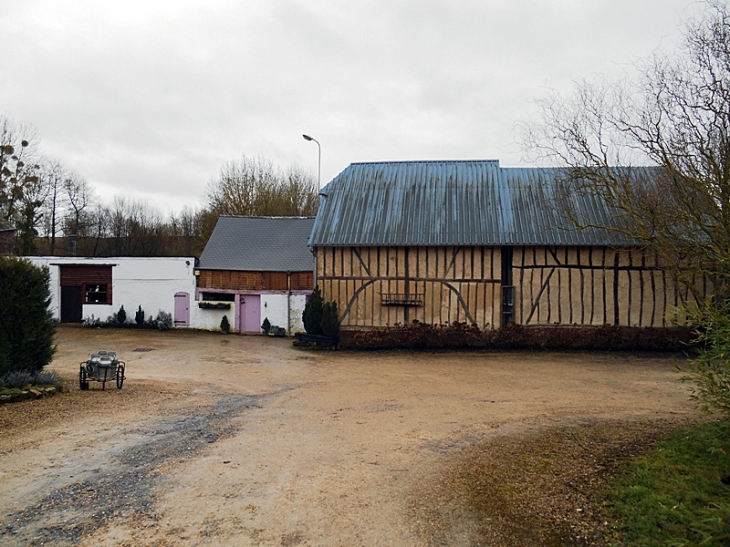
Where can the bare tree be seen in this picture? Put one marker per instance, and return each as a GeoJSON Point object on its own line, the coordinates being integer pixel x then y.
{"type": "Point", "coordinates": [28, 215]}
{"type": "Point", "coordinates": [255, 187]}
{"type": "Point", "coordinates": [185, 231]}
{"type": "Point", "coordinates": [18, 167]}
{"type": "Point", "coordinates": [675, 117]}
{"type": "Point", "coordinates": [98, 230]}
{"type": "Point", "coordinates": [129, 228]}
{"type": "Point", "coordinates": [79, 198]}
{"type": "Point", "coordinates": [52, 172]}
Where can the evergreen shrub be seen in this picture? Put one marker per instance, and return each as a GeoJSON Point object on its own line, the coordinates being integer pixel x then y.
{"type": "Point", "coordinates": [26, 326]}
{"type": "Point", "coordinates": [313, 311]}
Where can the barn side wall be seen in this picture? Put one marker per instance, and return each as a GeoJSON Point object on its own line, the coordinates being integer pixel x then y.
{"type": "Point", "coordinates": [538, 286]}
{"type": "Point", "coordinates": [595, 286]}
{"type": "Point", "coordinates": [381, 286]}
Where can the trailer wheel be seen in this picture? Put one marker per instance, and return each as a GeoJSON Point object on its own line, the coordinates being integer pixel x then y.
{"type": "Point", "coordinates": [83, 379]}
{"type": "Point", "coordinates": [120, 376]}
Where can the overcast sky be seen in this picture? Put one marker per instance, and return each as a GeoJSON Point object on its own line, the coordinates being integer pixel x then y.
{"type": "Point", "coordinates": [149, 98]}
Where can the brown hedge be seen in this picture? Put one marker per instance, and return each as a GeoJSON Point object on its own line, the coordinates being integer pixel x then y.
{"type": "Point", "coordinates": [460, 336]}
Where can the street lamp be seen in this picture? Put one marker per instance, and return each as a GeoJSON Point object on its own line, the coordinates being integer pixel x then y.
{"type": "Point", "coordinates": [319, 158]}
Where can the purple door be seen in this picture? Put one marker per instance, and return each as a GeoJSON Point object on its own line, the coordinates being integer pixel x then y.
{"type": "Point", "coordinates": [249, 313]}
{"type": "Point", "coordinates": [182, 309]}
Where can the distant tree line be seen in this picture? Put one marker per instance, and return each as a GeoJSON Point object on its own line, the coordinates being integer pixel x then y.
{"type": "Point", "coordinates": [56, 211]}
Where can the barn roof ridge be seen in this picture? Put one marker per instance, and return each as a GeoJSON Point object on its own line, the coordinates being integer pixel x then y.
{"type": "Point", "coordinates": [262, 217]}
{"type": "Point", "coordinates": [457, 202]}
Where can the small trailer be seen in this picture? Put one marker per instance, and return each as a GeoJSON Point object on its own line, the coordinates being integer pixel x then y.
{"type": "Point", "coordinates": [103, 367]}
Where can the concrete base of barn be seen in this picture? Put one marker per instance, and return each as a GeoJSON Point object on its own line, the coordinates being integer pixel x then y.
{"type": "Point", "coordinates": [461, 336]}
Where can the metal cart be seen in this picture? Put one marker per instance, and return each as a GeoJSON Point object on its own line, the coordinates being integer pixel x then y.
{"type": "Point", "coordinates": [103, 367]}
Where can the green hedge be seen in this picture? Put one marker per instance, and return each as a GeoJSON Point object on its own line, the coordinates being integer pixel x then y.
{"type": "Point", "coordinates": [26, 326]}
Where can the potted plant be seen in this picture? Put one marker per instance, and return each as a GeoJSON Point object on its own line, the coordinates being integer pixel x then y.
{"type": "Point", "coordinates": [225, 325]}
{"type": "Point", "coordinates": [265, 326]}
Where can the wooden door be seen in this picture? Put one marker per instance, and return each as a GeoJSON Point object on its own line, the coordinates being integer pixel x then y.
{"type": "Point", "coordinates": [182, 309]}
{"type": "Point", "coordinates": [249, 313]}
{"type": "Point", "coordinates": [71, 305]}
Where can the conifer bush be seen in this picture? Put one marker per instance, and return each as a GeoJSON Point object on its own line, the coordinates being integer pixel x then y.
{"type": "Point", "coordinates": [121, 315]}
{"type": "Point", "coordinates": [26, 326]}
{"type": "Point", "coordinates": [330, 319]}
{"type": "Point", "coordinates": [313, 310]}
{"type": "Point", "coordinates": [321, 317]}
{"type": "Point", "coordinates": [139, 316]}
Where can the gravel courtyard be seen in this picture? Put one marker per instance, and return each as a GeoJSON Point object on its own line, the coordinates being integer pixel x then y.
{"type": "Point", "coordinates": [245, 440]}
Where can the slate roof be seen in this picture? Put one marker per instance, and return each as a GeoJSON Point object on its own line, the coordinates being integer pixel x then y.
{"type": "Point", "coordinates": [434, 203]}
{"type": "Point", "coordinates": [265, 244]}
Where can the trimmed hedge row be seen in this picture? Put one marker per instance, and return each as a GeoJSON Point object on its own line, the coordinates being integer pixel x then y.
{"type": "Point", "coordinates": [26, 326]}
{"type": "Point", "coordinates": [460, 335]}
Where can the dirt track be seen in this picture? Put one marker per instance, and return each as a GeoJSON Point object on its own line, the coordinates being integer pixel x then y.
{"type": "Point", "coordinates": [236, 440]}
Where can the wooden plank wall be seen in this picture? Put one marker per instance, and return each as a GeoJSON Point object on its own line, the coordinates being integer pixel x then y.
{"type": "Point", "coordinates": [81, 276]}
{"type": "Point", "coordinates": [76, 276]}
{"type": "Point", "coordinates": [454, 284]}
{"type": "Point", "coordinates": [594, 286]}
{"type": "Point", "coordinates": [302, 281]}
{"type": "Point", "coordinates": [254, 281]}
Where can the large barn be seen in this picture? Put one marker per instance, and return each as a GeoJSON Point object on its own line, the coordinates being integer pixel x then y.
{"type": "Point", "coordinates": [469, 241]}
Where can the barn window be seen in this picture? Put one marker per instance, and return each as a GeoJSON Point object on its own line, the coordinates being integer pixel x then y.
{"type": "Point", "coordinates": [96, 294]}
{"type": "Point", "coordinates": [218, 296]}
{"type": "Point", "coordinates": [392, 299]}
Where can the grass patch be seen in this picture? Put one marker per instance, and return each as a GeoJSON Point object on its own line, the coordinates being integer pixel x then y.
{"type": "Point", "coordinates": [673, 496]}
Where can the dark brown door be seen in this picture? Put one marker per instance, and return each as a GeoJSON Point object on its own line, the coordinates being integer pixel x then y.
{"type": "Point", "coordinates": [71, 304]}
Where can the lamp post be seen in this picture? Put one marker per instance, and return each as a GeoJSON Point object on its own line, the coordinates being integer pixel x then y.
{"type": "Point", "coordinates": [319, 158]}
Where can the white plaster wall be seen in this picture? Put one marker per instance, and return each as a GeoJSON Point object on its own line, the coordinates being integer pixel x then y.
{"type": "Point", "coordinates": [274, 306]}
{"type": "Point", "coordinates": [201, 318]}
{"type": "Point", "coordinates": [298, 301]}
{"type": "Point", "coordinates": [104, 311]}
{"type": "Point", "coordinates": [149, 282]}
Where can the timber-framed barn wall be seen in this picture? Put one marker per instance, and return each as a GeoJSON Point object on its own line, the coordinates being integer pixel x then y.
{"type": "Point", "coordinates": [596, 285]}
{"type": "Point", "coordinates": [512, 258]}
{"type": "Point", "coordinates": [494, 286]}
{"type": "Point", "coordinates": [382, 286]}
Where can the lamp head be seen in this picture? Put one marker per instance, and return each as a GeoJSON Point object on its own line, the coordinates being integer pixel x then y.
{"type": "Point", "coordinates": [307, 137]}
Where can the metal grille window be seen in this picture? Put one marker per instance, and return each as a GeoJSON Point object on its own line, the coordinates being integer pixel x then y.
{"type": "Point", "coordinates": [401, 299]}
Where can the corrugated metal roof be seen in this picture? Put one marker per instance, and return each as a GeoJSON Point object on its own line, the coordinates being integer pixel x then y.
{"type": "Point", "coordinates": [456, 203]}
{"type": "Point", "coordinates": [259, 244]}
